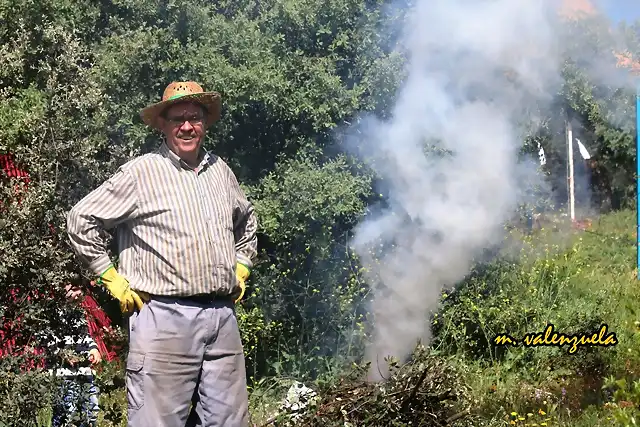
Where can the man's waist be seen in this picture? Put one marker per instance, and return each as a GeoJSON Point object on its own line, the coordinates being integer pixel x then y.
{"type": "Point", "coordinates": [199, 298]}
{"type": "Point", "coordinates": [180, 283]}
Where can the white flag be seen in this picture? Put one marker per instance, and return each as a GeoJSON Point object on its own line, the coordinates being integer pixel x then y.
{"type": "Point", "coordinates": [583, 150]}
{"type": "Point", "coordinates": [543, 159]}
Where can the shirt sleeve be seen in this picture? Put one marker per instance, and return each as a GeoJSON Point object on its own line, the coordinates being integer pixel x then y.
{"type": "Point", "coordinates": [109, 205]}
{"type": "Point", "coordinates": [245, 224]}
{"type": "Point", "coordinates": [88, 344]}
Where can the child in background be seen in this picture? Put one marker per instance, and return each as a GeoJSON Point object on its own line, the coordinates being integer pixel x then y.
{"type": "Point", "coordinates": [12, 341]}
{"type": "Point", "coordinates": [79, 393]}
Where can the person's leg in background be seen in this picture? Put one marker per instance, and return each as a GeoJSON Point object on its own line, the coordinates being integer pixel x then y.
{"type": "Point", "coordinates": [91, 401]}
{"type": "Point", "coordinates": [65, 407]}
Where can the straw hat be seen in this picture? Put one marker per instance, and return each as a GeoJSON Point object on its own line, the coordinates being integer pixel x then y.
{"type": "Point", "coordinates": [180, 92]}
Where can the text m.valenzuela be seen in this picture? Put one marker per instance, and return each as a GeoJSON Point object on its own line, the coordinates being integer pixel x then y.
{"type": "Point", "coordinates": [551, 338]}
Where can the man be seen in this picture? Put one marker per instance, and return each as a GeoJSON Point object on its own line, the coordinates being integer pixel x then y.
{"type": "Point", "coordinates": [186, 236]}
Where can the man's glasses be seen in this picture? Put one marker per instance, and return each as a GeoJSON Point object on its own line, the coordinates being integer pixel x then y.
{"type": "Point", "coordinates": [194, 119]}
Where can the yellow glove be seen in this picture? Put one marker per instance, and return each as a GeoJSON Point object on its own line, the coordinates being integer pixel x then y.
{"type": "Point", "coordinates": [120, 289]}
{"type": "Point", "coordinates": [242, 274]}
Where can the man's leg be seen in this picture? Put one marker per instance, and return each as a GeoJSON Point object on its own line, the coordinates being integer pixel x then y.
{"type": "Point", "coordinates": [166, 346]}
{"type": "Point", "coordinates": [221, 399]}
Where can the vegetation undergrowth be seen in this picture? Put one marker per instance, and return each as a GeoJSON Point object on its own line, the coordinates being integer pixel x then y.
{"type": "Point", "coordinates": [573, 281]}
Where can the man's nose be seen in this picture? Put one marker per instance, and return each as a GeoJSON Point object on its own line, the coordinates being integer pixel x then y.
{"type": "Point", "coordinates": [186, 126]}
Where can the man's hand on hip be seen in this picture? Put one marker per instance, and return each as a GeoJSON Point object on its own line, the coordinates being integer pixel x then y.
{"type": "Point", "coordinates": [120, 289]}
{"type": "Point", "coordinates": [242, 274]}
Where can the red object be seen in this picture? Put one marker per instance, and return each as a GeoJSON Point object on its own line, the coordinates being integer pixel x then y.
{"type": "Point", "coordinates": [9, 167]}
{"type": "Point", "coordinates": [10, 334]}
{"type": "Point", "coordinates": [11, 340]}
{"type": "Point", "coordinates": [99, 323]}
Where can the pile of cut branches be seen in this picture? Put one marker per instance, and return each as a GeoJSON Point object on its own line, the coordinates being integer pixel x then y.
{"type": "Point", "coordinates": [427, 391]}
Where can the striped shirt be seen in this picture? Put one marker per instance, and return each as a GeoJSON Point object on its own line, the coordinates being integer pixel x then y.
{"type": "Point", "coordinates": [80, 344]}
{"type": "Point", "coordinates": [180, 230]}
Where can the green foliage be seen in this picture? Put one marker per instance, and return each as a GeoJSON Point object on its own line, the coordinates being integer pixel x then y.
{"type": "Point", "coordinates": [577, 283]}
{"type": "Point", "coordinates": [21, 408]}
{"type": "Point", "coordinates": [600, 97]}
{"type": "Point", "coordinates": [309, 273]}
{"type": "Point", "coordinates": [625, 400]}
{"type": "Point", "coordinates": [73, 77]}
{"type": "Point", "coordinates": [575, 280]}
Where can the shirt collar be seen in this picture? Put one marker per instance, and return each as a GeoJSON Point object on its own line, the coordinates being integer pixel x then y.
{"type": "Point", "coordinates": [207, 158]}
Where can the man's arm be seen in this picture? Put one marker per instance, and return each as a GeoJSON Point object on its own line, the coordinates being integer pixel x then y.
{"type": "Point", "coordinates": [245, 224]}
{"type": "Point", "coordinates": [109, 205]}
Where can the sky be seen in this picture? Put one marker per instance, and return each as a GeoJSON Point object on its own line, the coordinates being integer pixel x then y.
{"type": "Point", "coordinates": [622, 10]}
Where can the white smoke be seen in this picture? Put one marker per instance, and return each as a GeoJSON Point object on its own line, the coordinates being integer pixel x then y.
{"type": "Point", "coordinates": [476, 70]}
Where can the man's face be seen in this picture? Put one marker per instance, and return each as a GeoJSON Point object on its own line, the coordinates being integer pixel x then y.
{"type": "Point", "coordinates": [183, 126]}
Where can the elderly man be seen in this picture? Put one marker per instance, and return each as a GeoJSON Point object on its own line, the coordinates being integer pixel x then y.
{"type": "Point", "coordinates": [186, 238]}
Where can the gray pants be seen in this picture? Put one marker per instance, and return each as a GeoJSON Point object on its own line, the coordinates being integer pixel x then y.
{"type": "Point", "coordinates": [186, 366]}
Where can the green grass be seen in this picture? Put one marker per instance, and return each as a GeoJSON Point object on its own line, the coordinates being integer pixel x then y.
{"type": "Point", "coordinates": [43, 418]}
{"type": "Point", "coordinates": [574, 280]}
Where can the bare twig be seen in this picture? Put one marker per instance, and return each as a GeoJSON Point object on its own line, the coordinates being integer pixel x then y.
{"type": "Point", "coordinates": [270, 420]}
{"type": "Point", "coordinates": [435, 420]}
{"type": "Point", "coordinates": [357, 407]}
{"type": "Point", "coordinates": [457, 416]}
{"type": "Point", "coordinates": [414, 391]}
{"type": "Point", "coordinates": [378, 367]}
{"type": "Point", "coordinates": [396, 393]}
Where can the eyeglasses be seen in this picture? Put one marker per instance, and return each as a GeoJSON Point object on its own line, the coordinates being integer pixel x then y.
{"type": "Point", "coordinates": [192, 119]}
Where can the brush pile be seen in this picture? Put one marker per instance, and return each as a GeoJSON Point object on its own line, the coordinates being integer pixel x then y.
{"type": "Point", "coordinates": [425, 392]}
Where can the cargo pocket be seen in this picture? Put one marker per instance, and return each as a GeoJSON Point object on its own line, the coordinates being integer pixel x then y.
{"type": "Point", "coordinates": [135, 380]}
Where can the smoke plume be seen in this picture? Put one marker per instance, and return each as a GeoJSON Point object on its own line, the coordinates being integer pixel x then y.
{"type": "Point", "coordinates": [448, 158]}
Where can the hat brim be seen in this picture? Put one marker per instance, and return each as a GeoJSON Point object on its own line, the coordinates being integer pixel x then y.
{"type": "Point", "coordinates": [209, 100]}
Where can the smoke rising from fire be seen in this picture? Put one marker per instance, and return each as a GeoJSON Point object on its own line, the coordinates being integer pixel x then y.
{"type": "Point", "coordinates": [475, 72]}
